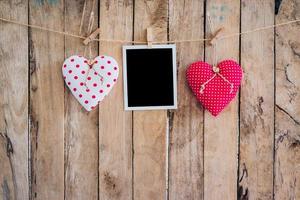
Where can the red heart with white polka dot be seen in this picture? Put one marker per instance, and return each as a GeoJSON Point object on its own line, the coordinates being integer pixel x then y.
{"type": "Point", "coordinates": [214, 90]}
{"type": "Point", "coordinates": [91, 81]}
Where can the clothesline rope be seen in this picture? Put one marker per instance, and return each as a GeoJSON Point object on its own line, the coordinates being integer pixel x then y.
{"type": "Point", "coordinates": [145, 42]}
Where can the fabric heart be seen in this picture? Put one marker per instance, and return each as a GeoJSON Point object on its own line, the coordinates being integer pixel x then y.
{"type": "Point", "coordinates": [216, 88]}
{"type": "Point", "coordinates": [91, 81]}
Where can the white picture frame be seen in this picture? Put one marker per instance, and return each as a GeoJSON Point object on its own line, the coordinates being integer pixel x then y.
{"type": "Point", "coordinates": [174, 67]}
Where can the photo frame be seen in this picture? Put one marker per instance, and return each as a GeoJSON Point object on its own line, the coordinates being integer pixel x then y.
{"type": "Point", "coordinates": [150, 77]}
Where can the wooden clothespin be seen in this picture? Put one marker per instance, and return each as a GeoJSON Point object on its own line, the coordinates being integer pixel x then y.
{"type": "Point", "coordinates": [92, 36]}
{"type": "Point", "coordinates": [149, 37]}
{"type": "Point", "coordinates": [215, 36]}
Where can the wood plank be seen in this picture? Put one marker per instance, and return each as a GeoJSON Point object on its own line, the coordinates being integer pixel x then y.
{"type": "Point", "coordinates": [221, 133]}
{"type": "Point", "coordinates": [47, 100]}
{"type": "Point", "coordinates": [186, 123]}
{"type": "Point", "coordinates": [287, 157]}
{"type": "Point", "coordinates": [115, 125]}
{"type": "Point", "coordinates": [257, 102]}
{"type": "Point", "coordinates": [7, 190]}
{"type": "Point", "coordinates": [287, 115]}
{"type": "Point", "coordinates": [81, 127]}
{"type": "Point", "coordinates": [149, 127]}
{"type": "Point", "coordinates": [14, 183]}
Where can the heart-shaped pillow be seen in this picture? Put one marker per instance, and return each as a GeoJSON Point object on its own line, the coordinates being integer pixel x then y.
{"type": "Point", "coordinates": [90, 81]}
{"type": "Point", "coordinates": [214, 89]}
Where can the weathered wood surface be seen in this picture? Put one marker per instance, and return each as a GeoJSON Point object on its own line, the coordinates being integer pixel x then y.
{"type": "Point", "coordinates": [257, 102]}
{"type": "Point", "coordinates": [46, 101]}
{"type": "Point", "coordinates": [50, 148]}
{"type": "Point", "coordinates": [115, 125]}
{"type": "Point", "coordinates": [221, 133]}
{"type": "Point", "coordinates": [7, 189]}
{"type": "Point", "coordinates": [287, 113]}
{"type": "Point", "coordinates": [81, 127]}
{"type": "Point", "coordinates": [14, 179]}
{"type": "Point", "coordinates": [186, 123]}
{"type": "Point", "coordinates": [150, 127]}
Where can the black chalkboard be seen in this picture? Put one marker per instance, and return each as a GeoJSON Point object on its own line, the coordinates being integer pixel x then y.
{"type": "Point", "coordinates": [149, 77]}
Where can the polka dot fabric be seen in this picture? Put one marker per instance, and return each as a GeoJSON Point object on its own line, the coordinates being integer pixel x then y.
{"type": "Point", "coordinates": [216, 95]}
{"type": "Point", "coordinates": [90, 83]}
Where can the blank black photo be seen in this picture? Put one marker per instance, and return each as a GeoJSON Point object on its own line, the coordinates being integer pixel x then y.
{"type": "Point", "coordinates": [149, 77]}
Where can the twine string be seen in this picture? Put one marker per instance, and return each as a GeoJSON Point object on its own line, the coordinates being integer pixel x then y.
{"type": "Point", "coordinates": [82, 17]}
{"type": "Point", "coordinates": [215, 68]}
{"type": "Point", "coordinates": [91, 61]}
{"type": "Point", "coordinates": [214, 45]}
{"type": "Point", "coordinates": [226, 80]}
{"type": "Point", "coordinates": [145, 42]}
{"type": "Point", "coordinates": [90, 24]}
{"type": "Point", "coordinates": [202, 86]}
{"type": "Point", "coordinates": [90, 28]}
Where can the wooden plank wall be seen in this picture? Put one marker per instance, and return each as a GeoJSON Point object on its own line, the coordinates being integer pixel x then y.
{"type": "Point", "coordinates": [81, 146]}
{"type": "Point", "coordinates": [46, 106]}
{"type": "Point", "coordinates": [115, 125]}
{"type": "Point", "coordinates": [14, 133]}
{"type": "Point", "coordinates": [150, 127]}
{"type": "Point", "coordinates": [257, 101]}
{"type": "Point", "coordinates": [186, 150]}
{"type": "Point", "coordinates": [287, 110]}
{"type": "Point", "coordinates": [221, 133]}
{"type": "Point", "coordinates": [50, 148]}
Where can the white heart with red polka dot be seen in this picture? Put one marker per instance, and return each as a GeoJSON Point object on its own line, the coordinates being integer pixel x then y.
{"type": "Point", "coordinates": [90, 81]}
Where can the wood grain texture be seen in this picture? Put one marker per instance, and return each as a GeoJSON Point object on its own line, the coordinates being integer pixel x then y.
{"type": "Point", "coordinates": [257, 102]}
{"type": "Point", "coordinates": [7, 184]}
{"type": "Point", "coordinates": [150, 127]}
{"type": "Point", "coordinates": [287, 60]}
{"type": "Point", "coordinates": [221, 133]}
{"type": "Point", "coordinates": [52, 149]}
{"type": "Point", "coordinates": [115, 125]}
{"type": "Point", "coordinates": [287, 157]}
{"type": "Point", "coordinates": [81, 127]}
{"type": "Point", "coordinates": [14, 183]}
{"type": "Point", "coordinates": [47, 101]}
{"type": "Point", "coordinates": [287, 115]}
{"type": "Point", "coordinates": [186, 123]}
